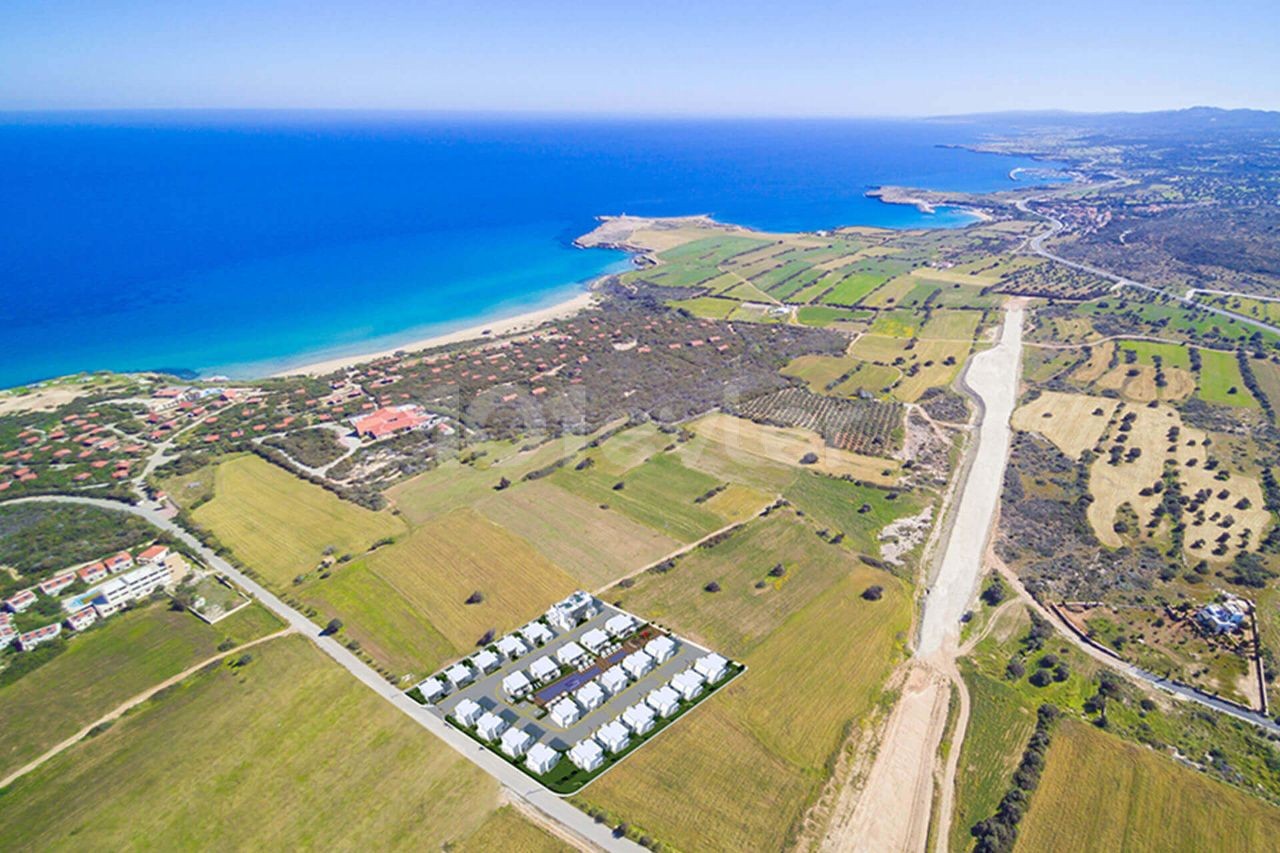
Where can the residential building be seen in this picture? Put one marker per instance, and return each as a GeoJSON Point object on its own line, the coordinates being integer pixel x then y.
{"type": "Point", "coordinates": [31, 639]}
{"type": "Point", "coordinates": [390, 420]}
{"type": "Point", "coordinates": [688, 684]}
{"type": "Point", "coordinates": [595, 640]}
{"type": "Point", "coordinates": [1221, 619]}
{"type": "Point", "coordinates": [516, 685]}
{"type": "Point", "coordinates": [459, 674]}
{"type": "Point", "coordinates": [712, 667]}
{"type": "Point", "coordinates": [537, 634]}
{"type": "Point", "coordinates": [433, 689]}
{"type": "Point", "coordinates": [541, 758]}
{"type": "Point", "coordinates": [614, 736]}
{"type": "Point", "coordinates": [664, 700]}
{"type": "Point", "coordinates": [131, 586]}
{"type": "Point", "coordinates": [587, 755]}
{"type": "Point", "coordinates": [512, 646]}
{"type": "Point", "coordinates": [637, 664]}
{"type": "Point", "coordinates": [639, 718]}
{"type": "Point", "coordinates": [570, 653]}
{"type": "Point", "coordinates": [568, 614]}
{"type": "Point", "coordinates": [57, 583]}
{"type": "Point", "coordinates": [660, 648]}
{"type": "Point", "coordinates": [620, 626]}
{"type": "Point", "coordinates": [544, 669]}
{"type": "Point", "coordinates": [490, 726]}
{"type": "Point", "coordinates": [590, 696]}
{"type": "Point", "coordinates": [154, 554]}
{"type": "Point", "coordinates": [20, 601]}
{"type": "Point", "coordinates": [486, 661]}
{"type": "Point", "coordinates": [614, 680]}
{"type": "Point", "coordinates": [8, 634]}
{"type": "Point", "coordinates": [515, 742]}
{"type": "Point", "coordinates": [467, 712]}
{"type": "Point", "coordinates": [565, 712]}
{"type": "Point", "coordinates": [93, 572]}
{"type": "Point", "coordinates": [82, 619]}
{"type": "Point", "coordinates": [118, 562]}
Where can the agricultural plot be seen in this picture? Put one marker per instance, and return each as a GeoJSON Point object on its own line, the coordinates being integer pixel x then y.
{"type": "Point", "coordinates": [951, 325]}
{"type": "Point", "coordinates": [875, 379]}
{"type": "Point", "coordinates": [933, 364]}
{"type": "Point", "coordinates": [1073, 422]}
{"type": "Point", "coordinates": [107, 665]}
{"type": "Point", "coordinates": [822, 315]}
{"type": "Point", "coordinates": [861, 426]}
{"type": "Point", "coordinates": [856, 511]}
{"type": "Point", "coordinates": [1101, 793]}
{"type": "Point", "coordinates": [760, 752]}
{"type": "Point", "coordinates": [281, 526]}
{"type": "Point", "coordinates": [1268, 311]}
{"type": "Point", "coordinates": [1221, 382]}
{"type": "Point", "coordinates": [333, 766]}
{"type": "Point", "coordinates": [711, 307]}
{"type": "Point", "coordinates": [507, 829]}
{"type": "Point", "coordinates": [896, 324]}
{"type": "Point", "coordinates": [1054, 281]}
{"type": "Point", "coordinates": [821, 372]}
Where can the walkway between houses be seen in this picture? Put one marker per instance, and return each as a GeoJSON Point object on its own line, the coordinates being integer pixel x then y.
{"type": "Point", "coordinates": [131, 703]}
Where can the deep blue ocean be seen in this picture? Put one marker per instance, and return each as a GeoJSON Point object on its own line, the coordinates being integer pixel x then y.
{"type": "Point", "coordinates": [245, 243]}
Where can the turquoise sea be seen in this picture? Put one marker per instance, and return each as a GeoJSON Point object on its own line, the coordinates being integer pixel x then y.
{"type": "Point", "coordinates": [246, 243]}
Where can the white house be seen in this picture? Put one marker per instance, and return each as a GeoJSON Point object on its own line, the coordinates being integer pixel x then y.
{"type": "Point", "coordinates": [664, 700]}
{"type": "Point", "coordinates": [467, 712]}
{"type": "Point", "coordinates": [688, 684]}
{"type": "Point", "coordinates": [565, 712]}
{"type": "Point", "coordinates": [570, 653]}
{"type": "Point", "coordinates": [614, 680]}
{"type": "Point", "coordinates": [490, 726]}
{"type": "Point", "coordinates": [515, 742]}
{"type": "Point", "coordinates": [620, 625]}
{"type": "Point", "coordinates": [595, 640]}
{"type": "Point", "coordinates": [712, 666]}
{"type": "Point", "coordinates": [660, 649]}
{"type": "Point", "coordinates": [614, 736]}
{"type": "Point", "coordinates": [587, 754]}
{"type": "Point", "coordinates": [516, 685]}
{"type": "Point", "coordinates": [543, 670]}
{"type": "Point", "coordinates": [639, 718]}
{"type": "Point", "coordinates": [637, 664]}
{"type": "Point", "coordinates": [568, 614]}
{"type": "Point", "coordinates": [536, 633]}
{"type": "Point", "coordinates": [541, 758]}
{"type": "Point", "coordinates": [512, 646]}
{"type": "Point", "coordinates": [486, 661]}
{"type": "Point", "coordinates": [432, 689]}
{"type": "Point", "coordinates": [459, 674]}
{"type": "Point", "coordinates": [590, 696]}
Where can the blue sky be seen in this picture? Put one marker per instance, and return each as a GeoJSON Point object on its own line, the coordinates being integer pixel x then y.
{"type": "Point", "coordinates": [657, 57]}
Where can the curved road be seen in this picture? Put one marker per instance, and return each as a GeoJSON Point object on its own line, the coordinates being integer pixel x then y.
{"type": "Point", "coordinates": [518, 785]}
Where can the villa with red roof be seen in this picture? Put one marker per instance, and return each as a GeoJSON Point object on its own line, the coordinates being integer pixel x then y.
{"type": "Point", "coordinates": [119, 562]}
{"type": "Point", "coordinates": [57, 583]}
{"type": "Point", "coordinates": [390, 420]}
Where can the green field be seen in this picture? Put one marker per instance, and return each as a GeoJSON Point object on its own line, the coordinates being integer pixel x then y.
{"type": "Point", "coordinates": [952, 325]}
{"type": "Point", "coordinates": [896, 324]}
{"type": "Point", "coordinates": [855, 287]}
{"type": "Point", "coordinates": [1172, 355]}
{"type": "Point", "coordinates": [713, 307]}
{"type": "Point", "coordinates": [819, 371]}
{"type": "Point", "coordinates": [286, 752]}
{"type": "Point", "coordinates": [822, 315]}
{"type": "Point", "coordinates": [1221, 382]}
{"type": "Point", "coordinates": [837, 504]}
{"type": "Point", "coordinates": [108, 665]}
{"type": "Point", "coordinates": [280, 525]}
{"type": "Point", "coordinates": [1101, 793]}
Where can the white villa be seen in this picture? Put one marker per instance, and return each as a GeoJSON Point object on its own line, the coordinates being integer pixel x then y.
{"type": "Point", "coordinates": [595, 640]}
{"type": "Point", "coordinates": [541, 758]}
{"type": "Point", "coordinates": [486, 661]}
{"type": "Point", "coordinates": [637, 664]}
{"type": "Point", "coordinates": [614, 735]}
{"type": "Point", "coordinates": [620, 625]}
{"type": "Point", "coordinates": [587, 754]}
{"type": "Point", "coordinates": [639, 718]}
{"type": "Point", "coordinates": [712, 666]}
{"type": "Point", "coordinates": [516, 684]}
{"type": "Point", "coordinates": [664, 700]}
{"type": "Point", "coordinates": [467, 712]}
{"type": "Point", "coordinates": [569, 653]}
{"type": "Point", "coordinates": [512, 646]}
{"type": "Point", "coordinates": [688, 684]}
{"type": "Point", "coordinates": [565, 712]}
{"type": "Point", "coordinates": [543, 670]}
{"type": "Point", "coordinates": [537, 634]}
{"type": "Point", "coordinates": [515, 742]}
{"type": "Point", "coordinates": [459, 674]}
{"type": "Point", "coordinates": [660, 649]}
{"type": "Point", "coordinates": [490, 726]}
{"type": "Point", "coordinates": [590, 696]}
{"type": "Point", "coordinates": [568, 614]}
{"type": "Point", "coordinates": [614, 680]}
{"type": "Point", "coordinates": [432, 689]}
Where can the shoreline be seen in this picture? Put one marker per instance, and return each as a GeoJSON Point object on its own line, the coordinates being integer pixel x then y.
{"type": "Point", "coordinates": [523, 322]}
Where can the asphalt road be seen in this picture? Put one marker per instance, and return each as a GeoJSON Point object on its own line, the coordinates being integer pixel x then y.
{"type": "Point", "coordinates": [518, 785]}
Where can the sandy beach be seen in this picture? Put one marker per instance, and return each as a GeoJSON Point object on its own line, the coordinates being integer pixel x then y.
{"type": "Point", "coordinates": [491, 329]}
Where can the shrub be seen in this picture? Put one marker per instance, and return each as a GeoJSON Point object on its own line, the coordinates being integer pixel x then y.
{"type": "Point", "coordinates": [334, 626]}
{"type": "Point", "coordinates": [475, 598]}
{"type": "Point", "coordinates": [873, 592]}
{"type": "Point", "coordinates": [712, 587]}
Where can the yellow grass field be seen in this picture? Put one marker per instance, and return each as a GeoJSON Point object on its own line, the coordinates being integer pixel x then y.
{"type": "Point", "coordinates": [594, 545]}
{"type": "Point", "coordinates": [1068, 420]}
{"type": "Point", "coordinates": [746, 441]}
{"type": "Point", "coordinates": [445, 560]}
{"type": "Point", "coordinates": [1101, 793]}
{"type": "Point", "coordinates": [287, 752]}
{"type": "Point", "coordinates": [1097, 364]}
{"type": "Point", "coordinates": [819, 370]}
{"type": "Point", "coordinates": [280, 525]}
{"type": "Point", "coordinates": [507, 829]}
{"type": "Point", "coordinates": [1113, 485]}
{"type": "Point", "coordinates": [1141, 386]}
{"type": "Point", "coordinates": [758, 750]}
